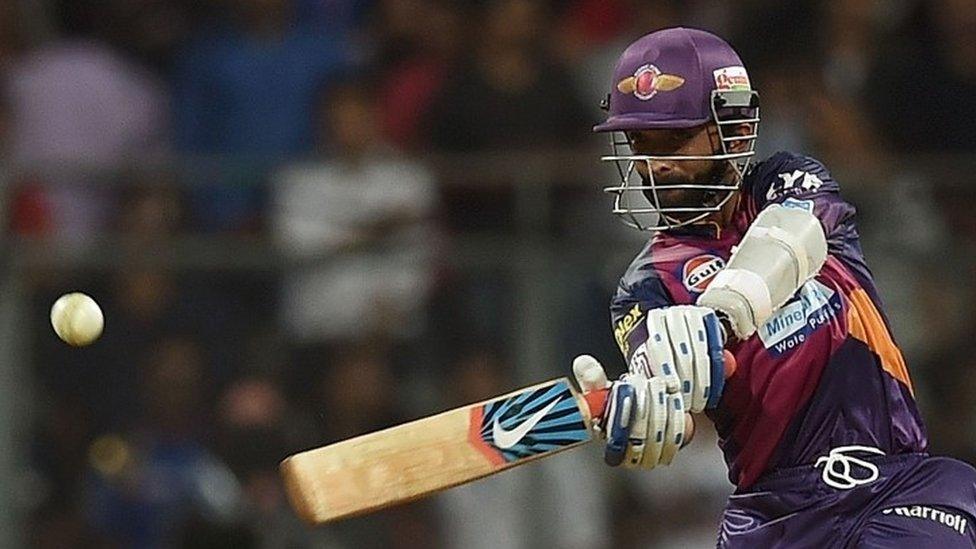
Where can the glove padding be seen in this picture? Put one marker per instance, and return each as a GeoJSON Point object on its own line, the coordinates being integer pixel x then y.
{"type": "Point", "coordinates": [684, 348]}
{"type": "Point", "coordinates": [644, 425]}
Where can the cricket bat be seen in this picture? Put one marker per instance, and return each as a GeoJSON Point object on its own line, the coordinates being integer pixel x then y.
{"type": "Point", "coordinates": [416, 459]}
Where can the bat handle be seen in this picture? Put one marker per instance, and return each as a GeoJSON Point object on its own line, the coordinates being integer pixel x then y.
{"type": "Point", "coordinates": [596, 401]}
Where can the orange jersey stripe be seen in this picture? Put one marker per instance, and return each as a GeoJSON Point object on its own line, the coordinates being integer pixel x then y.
{"type": "Point", "coordinates": [865, 324]}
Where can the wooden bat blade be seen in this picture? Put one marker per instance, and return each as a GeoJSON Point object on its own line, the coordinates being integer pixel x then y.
{"type": "Point", "coordinates": [416, 459]}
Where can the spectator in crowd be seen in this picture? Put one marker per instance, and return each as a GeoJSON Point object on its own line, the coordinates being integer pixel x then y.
{"type": "Point", "coordinates": [77, 104]}
{"type": "Point", "coordinates": [146, 31]}
{"type": "Point", "coordinates": [245, 88]}
{"type": "Point", "coordinates": [852, 32]}
{"type": "Point", "coordinates": [150, 208]}
{"type": "Point", "coordinates": [357, 223]}
{"type": "Point", "coordinates": [246, 83]}
{"type": "Point", "coordinates": [510, 94]}
{"type": "Point", "coordinates": [419, 45]}
{"type": "Point", "coordinates": [589, 35]}
{"type": "Point", "coordinates": [924, 80]}
{"type": "Point", "coordinates": [13, 37]}
{"type": "Point", "coordinates": [251, 434]}
{"type": "Point", "coordinates": [146, 482]}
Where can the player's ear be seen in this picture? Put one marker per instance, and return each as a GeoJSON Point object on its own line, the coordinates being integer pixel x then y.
{"type": "Point", "coordinates": [739, 145]}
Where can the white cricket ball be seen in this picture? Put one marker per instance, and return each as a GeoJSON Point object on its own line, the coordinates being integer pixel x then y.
{"type": "Point", "coordinates": [77, 319]}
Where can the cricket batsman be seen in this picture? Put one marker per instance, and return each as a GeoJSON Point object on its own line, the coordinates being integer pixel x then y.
{"type": "Point", "coordinates": [752, 303]}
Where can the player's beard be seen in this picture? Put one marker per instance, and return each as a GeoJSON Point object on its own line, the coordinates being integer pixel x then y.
{"type": "Point", "coordinates": [717, 174]}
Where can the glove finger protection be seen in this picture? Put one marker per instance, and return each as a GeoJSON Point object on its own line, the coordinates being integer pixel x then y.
{"type": "Point", "coordinates": [659, 355]}
{"type": "Point", "coordinates": [650, 422]}
{"type": "Point", "coordinates": [675, 431]}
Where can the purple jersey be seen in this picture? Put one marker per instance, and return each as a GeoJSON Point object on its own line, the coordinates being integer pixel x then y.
{"type": "Point", "coordinates": [824, 371]}
{"type": "Point", "coordinates": [904, 500]}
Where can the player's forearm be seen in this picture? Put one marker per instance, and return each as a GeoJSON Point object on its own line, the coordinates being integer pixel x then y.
{"type": "Point", "coordinates": [782, 249]}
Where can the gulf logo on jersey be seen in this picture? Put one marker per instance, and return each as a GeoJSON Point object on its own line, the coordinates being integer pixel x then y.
{"type": "Point", "coordinates": [699, 271]}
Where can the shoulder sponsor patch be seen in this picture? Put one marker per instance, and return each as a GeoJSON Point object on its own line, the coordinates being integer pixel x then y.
{"type": "Point", "coordinates": [796, 204]}
{"type": "Point", "coordinates": [812, 307]}
{"type": "Point", "coordinates": [795, 182]}
{"type": "Point", "coordinates": [699, 271]}
{"type": "Point", "coordinates": [731, 78]}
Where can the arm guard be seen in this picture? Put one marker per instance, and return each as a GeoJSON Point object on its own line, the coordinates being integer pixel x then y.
{"type": "Point", "coordinates": [783, 248]}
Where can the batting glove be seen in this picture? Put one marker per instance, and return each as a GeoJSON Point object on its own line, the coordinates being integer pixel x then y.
{"type": "Point", "coordinates": [644, 425]}
{"type": "Point", "coordinates": [684, 349]}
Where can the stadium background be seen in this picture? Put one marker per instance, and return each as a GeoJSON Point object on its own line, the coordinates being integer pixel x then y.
{"type": "Point", "coordinates": [307, 219]}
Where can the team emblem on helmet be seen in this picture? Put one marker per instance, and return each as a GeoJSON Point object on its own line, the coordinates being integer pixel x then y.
{"type": "Point", "coordinates": [699, 271]}
{"type": "Point", "coordinates": [647, 81]}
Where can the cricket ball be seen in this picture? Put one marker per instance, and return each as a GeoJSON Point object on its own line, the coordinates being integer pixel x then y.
{"type": "Point", "coordinates": [77, 319]}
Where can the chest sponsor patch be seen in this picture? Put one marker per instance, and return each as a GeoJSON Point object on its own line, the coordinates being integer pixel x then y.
{"type": "Point", "coordinates": [813, 306]}
{"type": "Point", "coordinates": [699, 271]}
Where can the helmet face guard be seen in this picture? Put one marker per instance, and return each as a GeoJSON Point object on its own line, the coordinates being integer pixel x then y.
{"type": "Point", "coordinates": [636, 197]}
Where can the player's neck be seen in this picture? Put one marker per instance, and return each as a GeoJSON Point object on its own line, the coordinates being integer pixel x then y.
{"type": "Point", "coordinates": [723, 217]}
{"type": "Point", "coordinates": [715, 223]}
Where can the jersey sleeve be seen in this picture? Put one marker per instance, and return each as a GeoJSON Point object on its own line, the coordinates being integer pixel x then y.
{"type": "Point", "coordinates": [640, 290]}
{"type": "Point", "coordinates": [801, 182]}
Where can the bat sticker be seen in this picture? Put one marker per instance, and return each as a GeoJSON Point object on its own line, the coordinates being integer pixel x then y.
{"type": "Point", "coordinates": [526, 424]}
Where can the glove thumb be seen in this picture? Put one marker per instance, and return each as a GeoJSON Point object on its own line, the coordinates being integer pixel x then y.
{"type": "Point", "coordinates": [589, 374]}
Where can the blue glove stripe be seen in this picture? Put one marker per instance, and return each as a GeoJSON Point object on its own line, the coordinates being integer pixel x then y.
{"type": "Point", "coordinates": [713, 334]}
{"type": "Point", "coordinates": [617, 436]}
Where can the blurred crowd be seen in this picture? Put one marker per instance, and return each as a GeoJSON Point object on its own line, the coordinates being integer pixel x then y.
{"type": "Point", "coordinates": [401, 169]}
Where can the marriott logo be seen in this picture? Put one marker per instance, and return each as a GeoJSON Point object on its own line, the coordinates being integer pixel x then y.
{"type": "Point", "coordinates": [950, 520]}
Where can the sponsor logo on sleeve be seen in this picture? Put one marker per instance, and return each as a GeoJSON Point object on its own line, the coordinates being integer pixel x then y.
{"type": "Point", "coordinates": [699, 271]}
{"type": "Point", "coordinates": [731, 78]}
{"type": "Point", "coordinates": [625, 325]}
{"type": "Point", "coordinates": [795, 182]}
{"type": "Point", "coordinates": [813, 306]}
{"type": "Point", "coordinates": [647, 81]}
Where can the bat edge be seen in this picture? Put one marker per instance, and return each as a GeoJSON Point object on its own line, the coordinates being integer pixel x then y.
{"type": "Point", "coordinates": [301, 493]}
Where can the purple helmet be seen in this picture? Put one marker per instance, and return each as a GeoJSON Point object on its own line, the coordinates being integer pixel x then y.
{"type": "Point", "coordinates": [677, 78]}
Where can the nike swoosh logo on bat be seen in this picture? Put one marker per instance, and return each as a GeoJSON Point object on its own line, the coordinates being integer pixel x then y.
{"type": "Point", "coordinates": [506, 439]}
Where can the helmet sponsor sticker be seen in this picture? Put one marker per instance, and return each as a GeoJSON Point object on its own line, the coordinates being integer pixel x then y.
{"type": "Point", "coordinates": [699, 271]}
{"type": "Point", "coordinates": [731, 78]}
{"type": "Point", "coordinates": [647, 81]}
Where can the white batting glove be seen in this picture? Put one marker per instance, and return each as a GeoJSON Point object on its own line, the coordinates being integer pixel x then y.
{"type": "Point", "coordinates": [684, 349]}
{"type": "Point", "coordinates": [643, 424]}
